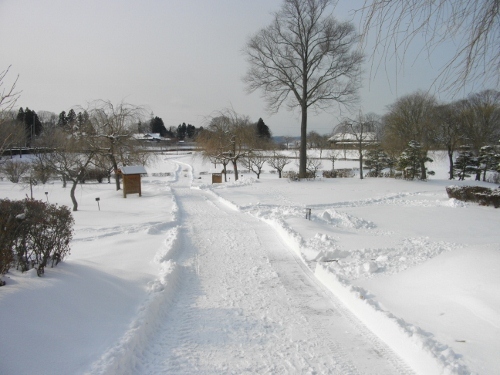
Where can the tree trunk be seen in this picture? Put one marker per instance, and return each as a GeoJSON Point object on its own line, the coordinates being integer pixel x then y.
{"type": "Point", "coordinates": [303, 143]}
{"type": "Point", "coordinates": [423, 172]}
{"type": "Point", "coordinates": [360, 161]}
{"type": "Point", "coordinates": [235, 168]}
{"type": "Point", "coordinates": [450, 158]}
{"type": "Point", "coordinates": [72, 195]}
{"type": "Point", "coordinates": [117, 175]}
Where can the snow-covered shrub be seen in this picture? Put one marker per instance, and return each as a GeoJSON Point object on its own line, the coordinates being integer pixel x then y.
{"type": "Point", "coordinates": [412, 162]}
{"type": "Point", "coordinates": [339, 173]}
{"type": "Point", "coordinates": [482, 195]}
{"type": "Point", "coordinates": [34, 233]}
{"type": "Point", "coordinates": [14, 170]}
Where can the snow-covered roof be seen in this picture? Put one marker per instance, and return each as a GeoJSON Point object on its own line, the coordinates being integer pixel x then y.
{"type": "Point", "coordinates": [349, 137]}
{"type": "Point", "coordinates": [133, 169]}
{"type": "Point", "coordinates": [147, 136]}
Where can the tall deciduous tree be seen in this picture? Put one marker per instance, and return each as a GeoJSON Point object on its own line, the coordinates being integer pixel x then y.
{"type": "Point", "coordinates": [473, 24]}
{"type": "Point", "coordinates": [449, 130]}
{"type": "Point", "coordinates": [411, 119]}
{"type": "Point", "coordinates": [481, 117]}
{"type": "Point", "coordinates": [304, 58]}
{"type": "Point", "coordinates": [227, 138]}
{"type": "Point", "coordinates": [113, 127]}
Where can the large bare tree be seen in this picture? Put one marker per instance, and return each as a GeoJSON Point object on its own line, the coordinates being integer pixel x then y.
{"type": "Point", "coordinates": [411, 119]}
{"type": "Point", "coordinates": [473, 25]}
{"type": "Point", "coordinates": [304, 59]}
{"type": "Point", "coordinates": [227, 138]}
{"type": "Point", "coordinates": [70, 156]}
{"type": "Point", "coordinates": [112, 129]}
{"type": "Point", "coordinates": [9, 133]}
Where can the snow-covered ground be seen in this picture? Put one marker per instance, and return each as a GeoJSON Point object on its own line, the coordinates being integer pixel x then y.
{"type": "Point", "coordinates": [388, 276]}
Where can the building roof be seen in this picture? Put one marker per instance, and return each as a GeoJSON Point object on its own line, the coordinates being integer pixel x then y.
{"type": "Point", "coordinates": [133, 169]}
{"type": "Point", "coordinates": [350, 138]}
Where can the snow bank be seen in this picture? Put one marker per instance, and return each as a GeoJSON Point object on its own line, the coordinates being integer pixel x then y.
{"type": "Point", "coordinates": [122, 358]}
{"type": "Point", "coordinates": [418, 348]}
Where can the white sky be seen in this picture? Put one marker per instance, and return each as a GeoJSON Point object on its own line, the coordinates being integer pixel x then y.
{"type": "Point", "coordinates": [180, 58]}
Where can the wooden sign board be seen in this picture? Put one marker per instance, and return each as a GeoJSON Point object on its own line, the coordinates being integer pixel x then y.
{"type": "Point", "coordinates": [216, 178]}
{"type": "Point", "coordinates": [132, 179]}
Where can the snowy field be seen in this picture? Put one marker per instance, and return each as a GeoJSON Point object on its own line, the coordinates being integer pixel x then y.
{"type": "Point", "coordinates": [387, 276]}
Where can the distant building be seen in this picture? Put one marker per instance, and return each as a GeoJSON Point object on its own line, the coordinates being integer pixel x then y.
{"type": "Point", "coordinates": [349, 140]}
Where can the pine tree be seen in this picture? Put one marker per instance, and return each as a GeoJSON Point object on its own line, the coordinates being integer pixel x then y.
{"type": "Point", "coordinates": [63, 120]}
{"type": "Point", "coordinates": [376, 160]}
{"type": "Point", "coordinates": [157, 126]}
{"type": "Point", "coordinates": [465, 163]}
{"type": "Point", "coordinates": [412, 161]}
{"type": "Point", "coordinates": [263, 130]}
{"type": "Point", "coordinates": [489, 160]}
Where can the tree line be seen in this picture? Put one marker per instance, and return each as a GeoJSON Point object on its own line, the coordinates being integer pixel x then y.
{"type": "Point", "coordinates": [417, 123]}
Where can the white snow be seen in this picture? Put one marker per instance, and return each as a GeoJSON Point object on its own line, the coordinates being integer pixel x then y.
{"type": "Point", "coordinates": [388, 276]}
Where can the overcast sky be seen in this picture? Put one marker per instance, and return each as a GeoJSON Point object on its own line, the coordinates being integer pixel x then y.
{"type": "Point", "coordinates": [181, 59]}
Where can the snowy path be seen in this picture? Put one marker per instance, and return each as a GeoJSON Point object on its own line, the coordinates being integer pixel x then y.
{"type": "Point", "coordinates": [246, 304]}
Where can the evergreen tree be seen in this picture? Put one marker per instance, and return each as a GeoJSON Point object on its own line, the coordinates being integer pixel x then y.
{"type": "Point", "coordinates": [157, 126]}
{"type": "Point", "coordinates": [412, 160]}
{"type": "Point", "coordinates": [71, 118]}
{"type": "Point", "coordinates": [376, 160]}
{"type": "Point", "coordinates": [190, 131]}
{"type": "Point", "coordinates": [263, 130]}
{"type": "Point", "coordinates": [466, 163]}
{"type": "Point", "coordinates": [32, 124]}
{"type": "Point", "coordinates": [63, 120]}
{"type": "Point", "coordinates": [488, 160]}
{"type": "Point", "coordinates": [181, 131]}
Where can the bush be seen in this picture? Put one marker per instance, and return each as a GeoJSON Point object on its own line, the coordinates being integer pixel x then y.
{"type": "Point", "coordinates": [96, 174]}
{"type": "Point", "coordinates": [33, 234]}
{"type": "Point", "coordinates": [14, 170]}
{"type": "Point", "coordinates": [294, 176]}
{"type": "Point", "coordinates": [339, 173]}
{"type": "Point", "coordinates": [41, 173]}
{"type": "Point", "coordinates": [482, 195]}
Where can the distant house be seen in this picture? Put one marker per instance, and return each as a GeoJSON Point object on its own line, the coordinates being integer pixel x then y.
{"type": "Point", "coordinates": [350, 140]}
{"type": "Point", "coordinates": [148, 137]}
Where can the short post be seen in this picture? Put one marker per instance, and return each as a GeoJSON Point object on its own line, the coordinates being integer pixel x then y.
{"type": "Point", "coordinates": [308, 213]}
{"type": "Point", "coordinates": [47, 196]}
{"type": "Point", "coordinates": [98, 205]}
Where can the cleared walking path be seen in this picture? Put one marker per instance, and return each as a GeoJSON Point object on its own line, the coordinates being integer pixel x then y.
{"type": "Point", "coordinates": [246, 304]}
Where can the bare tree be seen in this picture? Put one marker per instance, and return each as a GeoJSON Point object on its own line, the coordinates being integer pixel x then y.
{"type": "Point", "coordinates": [254, 161]}
{"type": "Point", "coordinates": [8, 98]}
{"type": "Point", "coordinates": [278, 161]}
{"type": "Point", "coordinates": [473, 24]}
{"type": "Point", "coordinates": [362, 132]}
{"type": "Point", "coordinates": [227, 138]}
{"type": "Point", "coordinates": [481, 116]}
{"type": "Point", "coordinates": [70, 157]}
{"type": "Point", "coordinates": [411, 119]}
{"type": "Point", "coordinates": [304, 58]}
{"type": "Point", "coordinates": [113, 127]}
{"type": "Point", "coordinates": [450, 131]}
